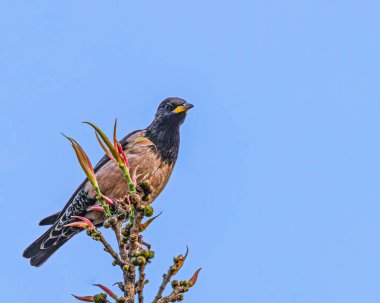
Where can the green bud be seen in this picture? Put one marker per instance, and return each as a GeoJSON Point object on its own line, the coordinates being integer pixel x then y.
{"type": "Point", "coordinates": [141, 260]}
{"type": "Point", "coordinates": [180, 297]}
{"type": "Point", "coordinates": [100, 298]}
{"type": "Point", "coordinates": [134, 261]}
{"type": "Point", "coordinates": [144, 253]}
{"type": "Point", "coordinates": [175, 283]}
{"type": "Point", "coordinates": [126, 267]}
{"type": "Point", "coordinates": [148, 211]}
{"type": "Point", "coordinates": [151, 254]}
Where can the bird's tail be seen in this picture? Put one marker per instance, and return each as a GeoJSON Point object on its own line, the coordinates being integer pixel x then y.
{"type": "Point", "coordinates": [41, 249]}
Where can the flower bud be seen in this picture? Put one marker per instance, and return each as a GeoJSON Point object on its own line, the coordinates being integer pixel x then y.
{"type": "Point", "coordinates": [141, 260]}
{"type": "Point", "coordinates": [180, 297]}
{"type": "Point", "coordinates": [100, 298]}
{"type": "Point", "coordinates": [134, 261]}
{"type": "Point", "coordinates": [148, 211]}
{"type": "Point", "coordinates": [136, 199]}
{"type": "Point", "coordinates": [144, 253]}
{"type": "Point", "coordinates": [183, 283]}
{"type": "Point", "coordinates": [106, 224]}
{"type": "Point", "coordinates": [126, 267]}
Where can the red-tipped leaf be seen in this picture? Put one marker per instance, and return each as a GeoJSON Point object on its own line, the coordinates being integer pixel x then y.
{"type": "Point", "coordinates": [147, 223]}
{"type": "Point", "coordinates": [180, 260]}
{"type": "Point", "coordinates": [108, 200]}
{"type": "Point", "coordinates": [108, 153]}
{"type": "Point", "coordinates": [194, 278]}
{"type": "Point", "coordinates": [115, 144]}
{"type": "Point", "coordinates": [123, 155]}
{"type": "Point", "coordinates": [85, 299]}
{"type": "Point", "coordinates": [95, 208]}
{"type": "Point", "coordinates": [84, 161]}
{"type": "Point", "coordinates": [107, 290]}
{"type": "Point", "coordinates": [104, 138]}
{"type": "Point", "coordinates": [85, 220]}
{"type": "Point", "coordinates": [78, 224]}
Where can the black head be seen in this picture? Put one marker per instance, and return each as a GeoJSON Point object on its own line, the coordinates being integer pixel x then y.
{"type": "Point", "coordinates": [164, 130]}
{"type": "Point", "coordinates": [172, 111]}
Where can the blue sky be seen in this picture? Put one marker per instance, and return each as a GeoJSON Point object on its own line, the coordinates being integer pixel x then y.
{"type": "Point", "coordinates": [276, 187]}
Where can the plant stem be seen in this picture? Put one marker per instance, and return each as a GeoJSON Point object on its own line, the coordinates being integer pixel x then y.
{"type": "Point", "coordinates": [127, 176]}
{"type": "Point", "coordinates": [104, 204]}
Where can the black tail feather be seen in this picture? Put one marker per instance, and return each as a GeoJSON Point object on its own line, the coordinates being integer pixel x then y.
{"type": "Point", "coordinates": [50, 220]}
{"type": "Point", "coordinates": [41, 249]}
{"type": "Point", "coordinates": [44, 254]}
{"type": "Point", "coordinates": [35, 247]}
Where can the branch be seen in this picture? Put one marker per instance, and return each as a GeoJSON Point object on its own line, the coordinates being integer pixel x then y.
{"type": "Point", "coordinates": [111, 251]}
{"type": "Point", "coordinates": [178, 262]}
{"type": "Point", "coordinates": [130, 274]}
{"type": "Point", "coordinates": [141, 283]}
{"type": "Point", "coordinates": [166, 279]}
{"type": "Point", "coordinates": [176, 295]}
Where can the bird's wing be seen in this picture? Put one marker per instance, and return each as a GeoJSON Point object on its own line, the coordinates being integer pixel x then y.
{"type": "Point", "coordinates": [41, 249]}
{"type": "Point", "coordinates": [55, 217]}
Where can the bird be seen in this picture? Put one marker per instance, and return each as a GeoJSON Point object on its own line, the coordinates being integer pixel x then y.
{"type": "Point", "coordinates": [153, 164]}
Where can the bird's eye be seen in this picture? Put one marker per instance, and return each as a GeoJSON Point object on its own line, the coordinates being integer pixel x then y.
{"type": "Point", "coordinates": [168, 107]}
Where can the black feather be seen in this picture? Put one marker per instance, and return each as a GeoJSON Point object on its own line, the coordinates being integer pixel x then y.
{"type": "Point", "coordinates": [50, 220]}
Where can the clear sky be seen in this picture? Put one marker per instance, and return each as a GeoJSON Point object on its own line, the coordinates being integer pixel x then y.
{"type": "Point", "coordinates": [276, 189]}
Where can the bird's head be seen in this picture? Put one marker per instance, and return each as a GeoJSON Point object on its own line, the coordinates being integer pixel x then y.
{"type": "Point", "coordinates": [164, 130]}
{"type": "Point", "coordinates": [172, 112]}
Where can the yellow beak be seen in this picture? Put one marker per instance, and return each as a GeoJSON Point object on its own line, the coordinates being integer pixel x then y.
{"type": "Point", "coordinates": [183, 108]}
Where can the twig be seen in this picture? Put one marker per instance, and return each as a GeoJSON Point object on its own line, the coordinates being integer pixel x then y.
{"type": "Point", "coordinates": [110, 250]}
{"type": "Point", "coordinates": [137, 287]}
{"type": "Point", "coordinates": [176, 295]}
{"type": "Point", "coordinates": [141, 283]}
{"type": "Point", "coordinates": [166, 279]}
{"type": "Point", "coordinates": [130, 275]}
